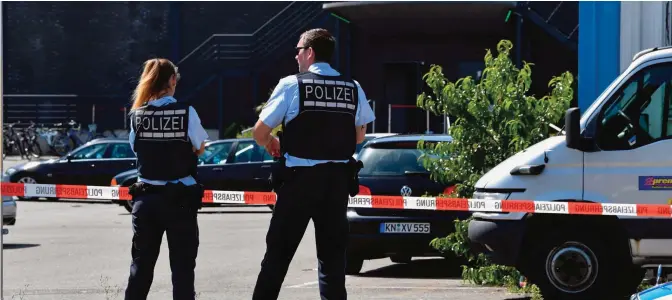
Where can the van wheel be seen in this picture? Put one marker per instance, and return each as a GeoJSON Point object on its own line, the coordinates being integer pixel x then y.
{"type": "Point", "coordinates": [578, 264]}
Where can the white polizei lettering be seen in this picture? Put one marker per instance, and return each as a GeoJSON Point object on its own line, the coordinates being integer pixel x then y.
{"type": "Point", "coordinates": [318, 81]}
{"type": "Point", "coordinates": [319, 89]}
{"type": "Point", "coordinates": [320, 103]}
{"type": "Point", "coordinates": [166, 123]}
{"type": "Point", "coordinates": [326, 93]}
{"type": "Point", "coordinates": [331, 104]}
{"type": "Point", "coordinates": [351, 106]}
{"type": "Point", "coordinates": [181, 112]}
{"type": "Point", "coordinates": [349, 84]}
{"type": "Point", "coordinates": [343, 105]}
{"type": "Point", "coordinates": [138, 121]}
{"type": "Point", "coordinates": [330, 82]}
{"type": "Point", "coordinates": [181, 121]}
{"type": "Point", "coordinates": [179, 134]}
{"type": "Point", "coordinates": [308, 103]}
{"type": "Point", "coordinates": [307, 80]}
{"type": "Point", "coordinates": [146, 123]}
{"type": "Point", "coordinates": [309, 90]}
{"type": "Point", "coordinates": [157, 134]}
{"type": "Point", "coordinates": [348, 95]}
{"type": "Point", "coordinates": [154, 127]}
{"type": "Point", "coordinates": [338, 95]}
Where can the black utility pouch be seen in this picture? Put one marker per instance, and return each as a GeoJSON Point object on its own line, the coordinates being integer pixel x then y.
{"type": "Point", "coordinates": [353, 176]}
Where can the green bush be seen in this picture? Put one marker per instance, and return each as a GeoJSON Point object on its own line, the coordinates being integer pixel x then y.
{"type": "Point", "coordinates": [492, 119]}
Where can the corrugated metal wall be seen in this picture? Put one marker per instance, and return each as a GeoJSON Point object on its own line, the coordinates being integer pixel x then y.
{"type": "Point", "coordinates": [643, 25]}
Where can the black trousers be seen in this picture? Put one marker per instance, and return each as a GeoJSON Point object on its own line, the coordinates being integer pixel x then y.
{"type": "Point", "coordinates": [154, 213]}
{"type": "Point", "coordinates": [319, 193]}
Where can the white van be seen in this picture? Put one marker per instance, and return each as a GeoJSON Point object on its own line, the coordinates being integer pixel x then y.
{"type": "Point", "coordinates": [618, 151]}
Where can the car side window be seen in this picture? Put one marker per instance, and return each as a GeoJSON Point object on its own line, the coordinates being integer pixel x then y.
{"type": "Point", "coordinates": [90, 152]}
{"type": "Point", "coordinates": [215, 154]}
{"type": "Point", "coordinates": [640, 112]}
{"type": "Point", "coordinates": [121, 150]}
{"type": "Point", "coordinates": [249, 151]}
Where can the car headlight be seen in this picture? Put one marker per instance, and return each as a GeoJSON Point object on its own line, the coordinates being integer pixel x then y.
{"type": "Point", "coordinates": [10, 171]}
{"type": "Point", "coordinates": [491, 196]}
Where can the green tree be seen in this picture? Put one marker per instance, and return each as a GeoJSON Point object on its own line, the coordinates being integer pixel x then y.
{"type": "Point", "coordinates": [494, 118]}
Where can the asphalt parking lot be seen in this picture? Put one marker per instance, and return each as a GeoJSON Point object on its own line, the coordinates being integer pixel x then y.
{"type": "Point", "coordinates": [81, 250]}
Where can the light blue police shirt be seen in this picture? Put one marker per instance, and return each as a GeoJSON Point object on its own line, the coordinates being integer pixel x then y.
{"type": "Point", "coordinates": [284, 102]}
{"type": "Point", "coordinates": [196, 133]}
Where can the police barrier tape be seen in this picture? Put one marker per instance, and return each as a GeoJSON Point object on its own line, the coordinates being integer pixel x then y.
{"type": "Point", "coordinates": [359, 201]}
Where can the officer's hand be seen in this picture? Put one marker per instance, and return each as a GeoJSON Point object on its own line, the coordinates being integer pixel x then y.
{"type": "Point", "coordinates": [273, 147]}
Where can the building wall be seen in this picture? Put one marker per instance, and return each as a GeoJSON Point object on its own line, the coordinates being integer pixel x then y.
{"type": "Point", "coordinates": [459, 56]}
{"type": "Point", "coordinates": [643, 25]}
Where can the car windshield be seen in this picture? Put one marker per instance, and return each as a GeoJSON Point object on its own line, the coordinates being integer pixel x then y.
{"type": "Point", "coordinates": [360, 145]}
{"type": "Point", "coordinates": [215, 154]}
{"type": "Point", "coordinates": [390, 161]}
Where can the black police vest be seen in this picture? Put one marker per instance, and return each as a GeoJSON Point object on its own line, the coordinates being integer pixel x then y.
{"type": "Point", "coordinates": [162, 144]}
{"type": "Point", "coordinates": [325, 125]}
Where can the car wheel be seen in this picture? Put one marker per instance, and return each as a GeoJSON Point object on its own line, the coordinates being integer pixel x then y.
{"type": "Point", "coordinates": [353, 265]}
{"type": "Point", "coordinates": [580, 264]}
{"type": "Point", "coordinates": [400, 259]}
{"type": "Point", "coordinates": [26, 180]}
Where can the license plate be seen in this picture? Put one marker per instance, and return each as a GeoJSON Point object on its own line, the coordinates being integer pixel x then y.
{"type": "Point", "coordinates": [404, 228]}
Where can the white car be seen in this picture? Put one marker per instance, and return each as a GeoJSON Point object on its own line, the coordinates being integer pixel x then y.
{"type": "Point", "coordinates": [8, 209]}
{"type": "Point", "coordinates": [367, 138]}
{"type": "Point", "coordinates": [617, 153]}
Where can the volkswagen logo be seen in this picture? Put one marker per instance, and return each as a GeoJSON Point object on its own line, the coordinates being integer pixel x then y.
{"type": "Point", "coordinates": [406, 191]}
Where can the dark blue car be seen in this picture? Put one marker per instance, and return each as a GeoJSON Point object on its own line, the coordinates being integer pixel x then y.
{"type": "Point", "coordinates": [94, 163]}
{"type": "Point", "coordinates": [226, 165]}
{"type": "Point", "coordinates": [392, 168]}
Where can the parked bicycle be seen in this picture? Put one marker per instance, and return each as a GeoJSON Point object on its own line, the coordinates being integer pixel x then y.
{"type": "Point", "coordinates": [64, 140]}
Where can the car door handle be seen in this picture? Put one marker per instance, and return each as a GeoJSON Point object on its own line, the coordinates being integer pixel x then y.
{"type": "Point", "coordinates": [266, 166]}
{"type": "Point", "coordinates": [217, 169]}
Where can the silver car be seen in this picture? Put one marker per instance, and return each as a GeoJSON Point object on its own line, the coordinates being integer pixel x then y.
{"type": "Point", "coordinates": [8, 209]}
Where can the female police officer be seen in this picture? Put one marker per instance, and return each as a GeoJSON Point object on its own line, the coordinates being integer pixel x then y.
{"type": "Point", "coordinates": [167, 137]}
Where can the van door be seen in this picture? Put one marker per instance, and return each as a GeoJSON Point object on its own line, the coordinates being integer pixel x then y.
{"type": "Point", "coordinates": [633, 163]}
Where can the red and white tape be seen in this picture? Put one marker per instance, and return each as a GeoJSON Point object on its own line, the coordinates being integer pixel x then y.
{"type": "Point", "coordinates": [359, 201]}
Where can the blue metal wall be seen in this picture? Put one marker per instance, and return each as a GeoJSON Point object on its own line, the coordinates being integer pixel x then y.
{"type": "Point", "coordinates": [599, 44]}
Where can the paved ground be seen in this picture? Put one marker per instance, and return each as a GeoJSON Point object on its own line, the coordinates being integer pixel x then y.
{"type": "Point", "coordinates": [76, 250]}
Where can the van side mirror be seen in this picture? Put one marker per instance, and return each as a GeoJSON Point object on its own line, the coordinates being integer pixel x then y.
{"type": "Point", "coordinates": [573, 128]}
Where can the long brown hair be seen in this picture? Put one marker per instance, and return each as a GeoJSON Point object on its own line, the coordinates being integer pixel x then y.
{"type": "Point", "coordinates": [155, 78]}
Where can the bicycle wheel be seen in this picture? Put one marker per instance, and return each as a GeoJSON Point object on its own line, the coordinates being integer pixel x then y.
{"type": "Point", "coordinates": [62, 145]}
{"type": "Point", "coordinates": [35, 149]}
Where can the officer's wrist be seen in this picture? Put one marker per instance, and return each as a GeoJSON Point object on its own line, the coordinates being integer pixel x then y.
{"type": "Point", "coordinates": [267, 140]}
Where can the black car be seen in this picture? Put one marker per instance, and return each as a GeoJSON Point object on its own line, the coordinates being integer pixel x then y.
{"type": "Point", "coordinates": [392, 167]}
{"type": "Point", "coordinates": [226, 165]}
{"type": "Point", "coordinates": [94, 163]}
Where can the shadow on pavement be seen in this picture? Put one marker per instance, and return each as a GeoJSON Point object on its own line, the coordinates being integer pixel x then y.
{"type": "Point", "coordinates": [18, 246]}
{"type": "Point", "coordinates": [438, 268]}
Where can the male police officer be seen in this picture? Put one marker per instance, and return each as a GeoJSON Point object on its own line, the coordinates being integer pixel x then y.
{"type": "Point", "coordinates": [325, 116]}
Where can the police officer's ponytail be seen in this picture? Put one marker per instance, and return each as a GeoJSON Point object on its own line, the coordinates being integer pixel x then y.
{"type": "Point", "coordinates": [155, 79]}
